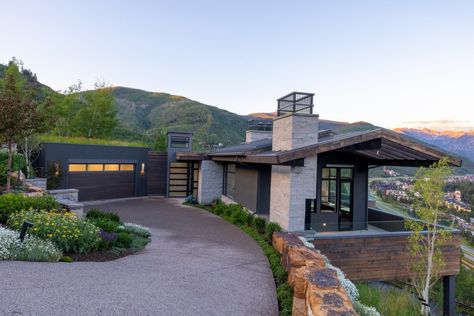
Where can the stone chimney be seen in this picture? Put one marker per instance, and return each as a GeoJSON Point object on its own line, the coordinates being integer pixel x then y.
{"type": "Point", "coordinates": [292, 186]}
{"type": "Point", "coordinates": [258, 129]}
{"type": "Point", "coordinates": [296, 125]}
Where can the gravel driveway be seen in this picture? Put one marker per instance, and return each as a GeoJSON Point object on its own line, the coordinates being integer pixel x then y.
{"type": "Point", "coordinates": [197, 264]}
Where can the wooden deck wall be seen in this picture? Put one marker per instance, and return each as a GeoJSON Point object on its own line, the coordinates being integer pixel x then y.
{"type": "Point", "coordinates": [380, 257]}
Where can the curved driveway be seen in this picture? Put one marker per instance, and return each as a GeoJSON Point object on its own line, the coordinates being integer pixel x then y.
{"type": "Point", "coordinates": [197, 264]}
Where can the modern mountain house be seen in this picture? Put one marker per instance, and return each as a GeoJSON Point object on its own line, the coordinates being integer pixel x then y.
{"type": "Point", "coordinates": [308, 180]}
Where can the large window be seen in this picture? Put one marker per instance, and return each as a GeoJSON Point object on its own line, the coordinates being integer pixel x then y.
{"type": "Point", "coordinates": [98, 167]}
{"type": "Point", "coordinates": [336, 190]}
{"type": "Point", "coordinates": [328, 190]}
{"type": "Point", "coordinates": [229, 180]}
{"type": "Point", "coordinates": [179, 142]}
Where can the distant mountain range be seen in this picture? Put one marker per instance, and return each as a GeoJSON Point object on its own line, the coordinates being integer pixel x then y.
{"type": "Point", "coordinates": [458, 142]}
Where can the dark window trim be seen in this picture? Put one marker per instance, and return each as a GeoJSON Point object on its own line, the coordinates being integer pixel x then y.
{"type": "Point", "coordinates": [179, 141]}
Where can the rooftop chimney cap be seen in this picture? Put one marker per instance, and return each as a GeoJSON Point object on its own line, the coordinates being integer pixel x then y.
{"type": "Point", "coordinates": [294, 102]}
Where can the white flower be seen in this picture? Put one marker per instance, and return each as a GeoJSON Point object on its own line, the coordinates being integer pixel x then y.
{"type": "Point", "coordinates": [350, 287]}
{"type": "Point", "coordinates": [31, 249]}
{"type": "Point", "coordinates": [137, 229]}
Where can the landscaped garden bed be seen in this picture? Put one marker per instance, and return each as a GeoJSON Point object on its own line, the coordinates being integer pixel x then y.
{"type": "Point", "coordinates": [57, 234]}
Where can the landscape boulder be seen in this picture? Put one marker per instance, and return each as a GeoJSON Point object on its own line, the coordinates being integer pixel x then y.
{"type": "Point", "coordinates": [316, 287]}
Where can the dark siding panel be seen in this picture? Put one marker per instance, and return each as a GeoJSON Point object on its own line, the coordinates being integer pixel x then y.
{"type": "Point", "coordinates": [246, 183]}
{"type": "Point", "coordinates": [102, 185]}
{"type": "Point", "coordinates": [157, 173]}
{"type": "Point", "coordinates": [264, 184]}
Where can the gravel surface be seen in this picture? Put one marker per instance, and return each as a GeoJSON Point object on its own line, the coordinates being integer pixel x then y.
{"type": "Point", "coordinates": [196, 264]}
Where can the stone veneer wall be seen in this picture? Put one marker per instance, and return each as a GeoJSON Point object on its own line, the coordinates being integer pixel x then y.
{"type": "Point", "coordinates": [251, 136]}
{"type": "Point", "coordinates": [69, 198]}
{"type": "Point", "coordinates": [291, 186]}
{"type": "Point", "coordinates": [292, 131]}
{"type": "Point", "coordinates": [316, 288]}
{"type": "Point", "coordinates": [210, 181]}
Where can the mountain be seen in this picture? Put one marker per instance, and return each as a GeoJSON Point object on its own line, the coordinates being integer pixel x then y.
{"type": "Point", "coordinates": [151, 112]}
{"type": "Point", "coordinates": [458, 142]}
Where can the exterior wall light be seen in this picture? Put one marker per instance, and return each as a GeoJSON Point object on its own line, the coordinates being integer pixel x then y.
{"type": "Point", "coordinates": [142, 170]}
{"type": "Point", "coordinates": [324, 224]}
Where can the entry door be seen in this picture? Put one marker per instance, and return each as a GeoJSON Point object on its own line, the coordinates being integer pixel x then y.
{"type": "Point", "coordinates": [335, 209]}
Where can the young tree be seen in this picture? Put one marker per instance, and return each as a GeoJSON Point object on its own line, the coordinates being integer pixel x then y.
{"type": "Point", "coordinates": [29, 147]}
{"type": "Point", "coordinates": [20, 115]}
{"type": "Point", "coordinates": [66, 107]}
{"type": "Point", "coordinates": [425, 243]}
{"type": "Point", "coordinates": [97, 115]}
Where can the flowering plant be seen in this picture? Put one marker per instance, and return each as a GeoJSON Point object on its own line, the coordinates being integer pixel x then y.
{"type": "Point", "coordinates": [31, 249]}
{"type": "Point", "coordinates": [70, 233]}
{"type": "Point", "coordinates": [136, 229]}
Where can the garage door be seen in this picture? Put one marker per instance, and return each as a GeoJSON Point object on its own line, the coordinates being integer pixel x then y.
{"type": "Point", "coordinates": [97, 181]}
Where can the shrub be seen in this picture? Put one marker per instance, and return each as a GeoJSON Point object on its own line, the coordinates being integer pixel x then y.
{"type": "Point", "coordinates": [106, 224]}
{"type": "Point", "coordinates": [270, 229]}
{"type": "Point", "coordinates": [66, 259]}
{"type": "Point", "coordinates": [106, 239]}
{"type": "Point", "coordinates": [239, 217]}
{"type": "Point", "coordinates": [138, 243]}
{"type": "Point", "coordinates": [249, 219]}
{"type": "Point", "coordinates": [124, 240]}
{"type": "Point", "coordinates": [18, 162]}
{"type": "Point", "coordinates": [219, 209]}
{"type": "Point", "coordinates": [285, 299]}
{"type": "Point", "coordinates": [230, 209]}
{"type": "Point", "coordinates": [70, 233]}
{"type": "Point", "coordinates": [96, 213]}
{"type": "Point", "coordinates": [31, 249]}
{"type": "Point", "coordinates": [12, 203]}
{"type": "Point", "coordinates": [259, 224]}
{"type": "Point", "coordinates": [387, 301]}
{"type": "Point", "coordinates": [138, 230]}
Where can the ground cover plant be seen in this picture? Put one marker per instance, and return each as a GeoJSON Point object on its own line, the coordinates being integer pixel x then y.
{"type": "Point", "coordinates": [31, 249]}
{"type": "Point", "coordinates": [261, 232]}
{"type": "Point", "coordinates": [389, 301]}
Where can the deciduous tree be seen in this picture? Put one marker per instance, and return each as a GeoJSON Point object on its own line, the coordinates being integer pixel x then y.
{"type": "Point", "coordinates": [20, 115]}
{"type": "Point", "coordinates": [424, 245]}
{"type": "Point", "coordinates": [97, 115]}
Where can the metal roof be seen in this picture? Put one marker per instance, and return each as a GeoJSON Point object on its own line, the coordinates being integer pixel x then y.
{"type": "Point", "coordinates": [377, 146]}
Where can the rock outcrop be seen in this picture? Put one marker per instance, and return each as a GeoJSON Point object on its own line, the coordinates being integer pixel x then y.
{"type": "Point", "coordinates": [316, 288]}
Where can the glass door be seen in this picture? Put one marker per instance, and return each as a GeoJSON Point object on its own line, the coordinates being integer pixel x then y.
{"type": "Point", "coordinates": [336, 202]}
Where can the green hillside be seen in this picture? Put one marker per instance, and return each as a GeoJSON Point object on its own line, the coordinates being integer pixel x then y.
{"type": "Point", "coordinates": [152, 113]}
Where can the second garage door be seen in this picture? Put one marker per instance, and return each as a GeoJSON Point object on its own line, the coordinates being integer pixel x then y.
{"type": "Point", "coordinates": [97, 181]}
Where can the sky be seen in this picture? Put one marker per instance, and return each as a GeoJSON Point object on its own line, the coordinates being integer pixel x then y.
{"type": "Point", "coordinates": [390, 63]}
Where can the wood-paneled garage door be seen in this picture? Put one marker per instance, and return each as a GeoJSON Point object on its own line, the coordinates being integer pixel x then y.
{"type": "Point", "coordinates": [98, 181]}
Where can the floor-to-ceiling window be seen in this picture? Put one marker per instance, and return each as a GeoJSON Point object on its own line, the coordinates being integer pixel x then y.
{"type": "Point", "coordinates": [336, 195]}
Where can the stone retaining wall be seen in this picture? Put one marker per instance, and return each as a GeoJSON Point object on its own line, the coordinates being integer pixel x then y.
{"type": "Point", "coordinates": [316, 288]}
